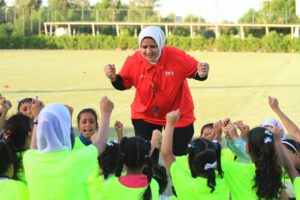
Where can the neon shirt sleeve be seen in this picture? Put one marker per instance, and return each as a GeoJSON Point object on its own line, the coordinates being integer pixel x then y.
{"type": "Point", "coordinates": [297, 187]}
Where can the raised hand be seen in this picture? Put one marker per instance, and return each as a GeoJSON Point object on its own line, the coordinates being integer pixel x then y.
{"type": "Point", "coordinates": [110, 72]}
{"type": "Point", "coordinates": [119, 130]}
{"type": "Point", "coordinates": [217, 129]}
{"type": "Point", "coordinates": [106, 106]}
{"type": "Point", "coordinates": [155, 140]}
{"type": "Point", "coordinates": [203, 69]}
{"type": "Point", "coordinates": [229, 129]}
{"type": "Point", "coordinates": [243, 128]}
{"type": "Point", "coordinates": [172, 117]}
{"type": "Point", "coordinates": [273, 102]}
{"type": "Point", "coordinates": [36, 107]}
{"type": "Point", "coordinates": [5, 105]}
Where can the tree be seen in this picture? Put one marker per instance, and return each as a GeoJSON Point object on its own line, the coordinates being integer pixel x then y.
{"type": "Point", "coordinates": [248, 17]}
{"type": "Point", "coordinates": [274, 11]}
{"type": "Point", "coordinates": [2, 3]}
{"type": "Point", "coordinates": [142, 10]}
{"type": "Point", "coordinates": [28, 4]}
{"type": "Point", "coordinates": [79, 4]}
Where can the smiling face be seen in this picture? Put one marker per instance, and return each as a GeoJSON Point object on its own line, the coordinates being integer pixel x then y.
{"type": "Point", "coordinates": [149, 50]}
{"type": "Point", "coordinates": [87, 124]}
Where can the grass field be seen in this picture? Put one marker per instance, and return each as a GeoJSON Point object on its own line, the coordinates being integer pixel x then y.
{"type": "Point", "coordinates": [237, 87]}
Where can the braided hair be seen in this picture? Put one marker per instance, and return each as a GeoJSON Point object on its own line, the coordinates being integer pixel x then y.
{"type": "Point", "coordinates": [108, 160]}
{"type": "Point", "coordinates": [134, 153]}
{"type": "Point", "coordinates": [204, 157]}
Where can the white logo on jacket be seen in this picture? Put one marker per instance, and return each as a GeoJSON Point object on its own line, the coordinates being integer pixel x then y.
{"type": "Point", "coordinates": [169, 73]}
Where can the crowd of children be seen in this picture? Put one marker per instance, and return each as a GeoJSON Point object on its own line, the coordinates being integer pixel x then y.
{"type": "Point", "coordinates": [41, 159]}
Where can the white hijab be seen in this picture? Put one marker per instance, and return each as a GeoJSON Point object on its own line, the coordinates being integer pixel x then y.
{"type": "Point", "coordinates": [53, 129]}
{"type": "Point", "coordinates": [158, 36]}
{"type": "Point", "coordinates": [273, 123]}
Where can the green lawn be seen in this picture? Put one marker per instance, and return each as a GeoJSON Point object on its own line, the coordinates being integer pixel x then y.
{"type": "Point", "coordinates": [238, 85]}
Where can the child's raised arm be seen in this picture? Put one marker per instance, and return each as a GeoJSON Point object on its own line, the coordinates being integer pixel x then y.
{"type": "Point", "coordinates": [5, 105]}
{"type": "Point", "coordinates": [167, 142]}
{"type": "Point", "coordinates": [106, 107]}
{"type": "Point", "coordinates": [289, 124]}
{"type": "Point", "coordinates": [36, 108]}
{"type": "Point", "coordinates": [155, 140]}
{"type": "Point", "coordinates": [281, 151]}
{"type": "Point", "coordinates": [119, 130]}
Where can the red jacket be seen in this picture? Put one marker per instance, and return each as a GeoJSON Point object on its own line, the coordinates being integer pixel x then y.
{"type": "Point", "coordinates": [162, 87]}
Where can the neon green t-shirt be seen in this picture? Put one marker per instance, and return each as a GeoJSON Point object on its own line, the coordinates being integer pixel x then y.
{"type": "Point", "coordinates": [226, 154]}
{"type": "Point", "coordinates": [13, 190]}
{"type": "Point", "coordinates": [297, 187]}
{"type": "Point", "coordinates": [239, 177]}
{"type": "Point", "coordinates": [187, 187]}
{"type": "Point", "coordinates": [59, 175]}
{"type": "Point", "coordinates": [78, 144]}
{"type": "Point", "coordinates": [95, 183]}
{"type": "Point", "coordinates": [113, 189]}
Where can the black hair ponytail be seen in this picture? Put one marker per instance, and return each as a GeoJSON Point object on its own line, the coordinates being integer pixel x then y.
{"type": "Point", "coordinates": [121, 160]}
{"type": "Point", "coordinates": [108, 160]}
{"type": "Point", "coordinates": [267, 180]}
{"type": "Point", "coordinates": [148, 172]}
{"type": "Point", "coordinates": [134, 153]}
{"type": "Point", "coordinates": [203, 160]}
{"type": "Point", "coordinates": [160, 175]}
{"type": "Point", "coordinates": [218, 150]}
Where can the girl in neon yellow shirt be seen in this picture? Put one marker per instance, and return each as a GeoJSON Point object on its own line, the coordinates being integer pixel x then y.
{"type": "Point", "coordinates": [52, 169]}
{"type": "Point", "coordinates": [260, 179]}
{"type": "Point", "coordinates": [87, 122]}
{"type": "Point", "coordinates": [199, 182]}
{"type": "Point", "coordinates": [17, 133]}
{"type": "Point", "coordinates": [10, 189]}
{"type": "Point", "coordinates": [134, 155]}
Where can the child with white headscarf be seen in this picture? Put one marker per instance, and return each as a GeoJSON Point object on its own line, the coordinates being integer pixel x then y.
{"type": "Point", "coordinates": [54, 170]}
{"type": "Point", "coordinates": [159, 73]}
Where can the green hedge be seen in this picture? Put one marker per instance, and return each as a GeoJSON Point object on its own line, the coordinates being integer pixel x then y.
{"type": "Point", "coordinates": [272, 42]}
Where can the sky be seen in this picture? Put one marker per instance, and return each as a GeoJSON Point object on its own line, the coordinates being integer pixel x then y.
{"type": "Point", "coordinates": [211, 10]}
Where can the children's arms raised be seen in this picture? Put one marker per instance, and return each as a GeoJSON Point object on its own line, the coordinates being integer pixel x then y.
{"type": "Point", "coordinates": [291, 127]}
{"type": "Point", "coordinates": [167, 142]}
{"type": "Point", "coordinates": [106, 107]}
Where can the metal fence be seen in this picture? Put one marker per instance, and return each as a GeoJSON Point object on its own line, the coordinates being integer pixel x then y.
{"type": "Point", "coordinates": [31, 21]}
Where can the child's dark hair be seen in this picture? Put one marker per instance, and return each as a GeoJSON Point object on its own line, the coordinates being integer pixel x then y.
{"type": "Point", "coordinates": [209, 125]}
{"type": "Point", "coordinates": [202, 156]}
{"type": "Point", "coordinates": [108, 160]}
{"type": "Point", "coordinates": [160, 175]}
{"type": "Point", "coordinates": [22, 101]}
{"type": "Point", "coordinates": [87, 110]}
{"type": "Point", "coordinates": [16, 131]}
{"type": "Point", "coordinates": [134, 153]}
{"type": "Point", "coordinates": [267, 180]}
{"type": "Point", "coordinates": [291, 144]}
{"type": "Point", "coordinates": [7, 158]}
